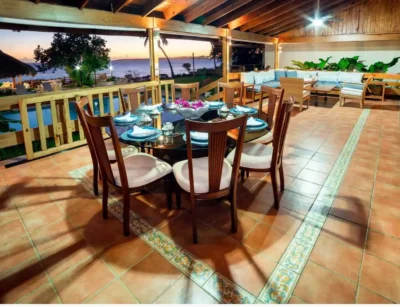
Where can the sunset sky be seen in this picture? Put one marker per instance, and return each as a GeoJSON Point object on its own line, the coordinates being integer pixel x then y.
{"type": "Point", "coordinates": [21, 45]}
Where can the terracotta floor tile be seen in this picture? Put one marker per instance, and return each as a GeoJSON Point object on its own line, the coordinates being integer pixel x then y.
{"type": "Point", "coordinates": [8, 211]}
{"type": "Point", "coordinates": [42, 217]}
{"type": "Point", "coordinates": [294, 161]}
{"type": "Point", "coordinates": [32, 203]}
{"type": "Point", "coordinates": [62, 256]}
{"type": "Point", "coordinates": [292, 170]}
{"type": "Point", "coordinates": [320, 286]}
{"type": "Point", "coordinates": [312, 176]}
{"type": "Point", "coordinates": [269, 240]}
{"type": "Point", "coordinates": [11, 231]}
{"type": "Point", "coordinates": [115, 293]}
{"type": "Point", "coordinates": [82, 281]}
{"type": "Point", "coordinates": [155, 272]}
{"type": "Point", "coordinates": [384, 189]}
{"type": "Point", "coordinates": [15, 252]}
{"type": "Point", "coordinates": [21, 280]}
{"type": "Point", "coordinates": [305, 188]}
{"type": "Point", "coordinates": [212, 246]}
{"type": "Point", "coordinates": [366, 296]}
{"type": "Point", "coordinates": [43, 295]}
{"type": "Point", "coordinates": [353, 212]}
{"type": "Point", "coordinates": [353, 195]}
{"type": "Point", "coordinates": [385, 223]}
{"type": "Point", "coordinates": [123, 254]}
{"type": "Point", "coordinates": [324, 158]}
{"type": "Point", "coordinates": [319, 167]}
{"type": "Point", "coordinates": [245, 224]}
{"type": "Point", "coordinates": [392, 178]}
{"type": "Point", "coordinates": [359, 181]}
{"type": "Point", "coordinates": [383, 246]}
{"type": "Point", "coordinates": [302, 153]}
{"type": "Point", "coordinates": [78, 202]}
{"type": "Point", "coordinates": [381, 277]}
{"type": "Point", "coordinates": [284, 219]}
{"type": "Point", "coordinates": [253, 207]}
{"type": "Point", "coordinates": [208, 212]}
{"type": "Point", "coordinates": [337, 257]}
{"type": "Point", "coordinates": [296, 202]}
{"type": "Point", "coordinates": [295, 300]}
{"type": "Point", "coordinates": [344, 231]}
{"type": "Point", "coordinates": [185, 291]}
{"type": "Point", "coordinates": [250, 270]}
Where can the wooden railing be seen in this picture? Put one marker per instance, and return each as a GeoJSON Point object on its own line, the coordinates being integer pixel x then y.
{"type": "Point", "coordinates": [63, 132]}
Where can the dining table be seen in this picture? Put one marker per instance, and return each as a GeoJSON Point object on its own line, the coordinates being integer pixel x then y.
{"type": "Point", "coordinates": [172, 147]}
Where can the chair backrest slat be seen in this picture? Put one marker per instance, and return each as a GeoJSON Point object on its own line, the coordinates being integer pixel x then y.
{"type": "Point", "coordinates": [229, 89]}
{"type": "Point", "coordinates": [275, 96]}
{"type": "Point", "coordinates": [185, 90]}
{"type": "Point", "coordinates": [217, 138]}
{"type": "Point", "coordinates": [293, 87]}
{"type": "Point", "coordinates": [134, 98]}
{"type": "Point", "coordinates": [281, 127]}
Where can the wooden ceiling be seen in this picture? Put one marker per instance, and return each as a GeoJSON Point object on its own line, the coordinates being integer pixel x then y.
{"type": "Point", "coordinates": [265, 17]}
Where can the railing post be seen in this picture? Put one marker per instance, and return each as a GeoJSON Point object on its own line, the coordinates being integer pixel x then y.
{"type": "Point", "coordinates": [23, 109]}
{"type": "Point", "coordinates": [226, 57]}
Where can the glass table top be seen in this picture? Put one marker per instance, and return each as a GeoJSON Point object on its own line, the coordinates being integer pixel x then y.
{"type": "Point", "coordinates": [176, 141]}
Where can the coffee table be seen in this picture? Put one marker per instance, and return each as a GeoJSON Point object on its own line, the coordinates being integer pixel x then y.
{"type": "Point", "coordinates": [321, 89]}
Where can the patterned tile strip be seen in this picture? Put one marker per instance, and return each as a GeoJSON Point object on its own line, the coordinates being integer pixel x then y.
{"type": "Point", "coordinates": [286, 274]}
{"type": "Point", "coordinates": [221, 288]}
{"type": "Point", "coordinates": [284, 278]}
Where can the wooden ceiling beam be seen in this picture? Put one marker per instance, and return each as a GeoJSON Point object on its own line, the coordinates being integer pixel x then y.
{"type": "Point", "coordinates": [230, 7]}
{"type": "Point", "coordinates": [339, 38]}
{"type": "Point", "coordinates": [151, 6]}
{"type": "Point", "coordinates": [176, 8]}
{"type": "Point", "coordinates": [268, 12]}
{"type": "Point", "coordinates": [294, 19]}
{"type": "Point", "coordinates": [201, 8]}
{"type": "Point", "coordinates": [251, 7]}
{"type": "Point", "coordinates": [296, 8]}
{"type": "Point", "coordinates": [120, 4]}
{"type": "Point", "coordinates": [82, 4]}
{"type": "Point", "coordinates": [339, 6]}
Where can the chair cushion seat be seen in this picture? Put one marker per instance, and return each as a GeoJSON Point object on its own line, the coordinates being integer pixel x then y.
{"type": "Point", "coordinates": [200, 174]}
{"type": "Point", "coordinates": [351, 92]}
{"type": "Point", "coordinates": [126, 151]}
{"type": "Point", "coordinates": [141, 170]}
{"type": "Point", "coordinates": [306, 94]}
{"type": "Point", "coordinates": [266, 138]}
{"type": "Point", "coordinates": [254, 155]}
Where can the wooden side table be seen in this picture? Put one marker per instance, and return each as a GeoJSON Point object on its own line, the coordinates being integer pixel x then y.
{"type": "Point", "coordinates": [378, 97]}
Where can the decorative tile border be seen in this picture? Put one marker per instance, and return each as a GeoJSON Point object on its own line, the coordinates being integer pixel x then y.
{"type": "Point", "coordinates": [285, 275]}
{"type": "Point", "coordinates": [284, 278]}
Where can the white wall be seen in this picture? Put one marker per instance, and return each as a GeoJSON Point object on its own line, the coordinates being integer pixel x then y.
{"type": "Point", "coordinates": [269, 55]}
{"type": "Point", "coordinates": [370, 52]}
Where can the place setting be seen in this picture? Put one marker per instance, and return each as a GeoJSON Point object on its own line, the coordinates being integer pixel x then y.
{"type": "Point", "coordinates": [141, 134]}
{"type": "Point", "coordinates": [239, 110]}
{"type": "Point", "coordinates": [125, 119]}
{"type": "Point", "coordinates": [255, 124]}
{"type": "Point", "coordinates": [197, 138]}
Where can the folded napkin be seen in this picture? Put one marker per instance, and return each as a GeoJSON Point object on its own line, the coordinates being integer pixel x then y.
{"type": "Point", "coordinates": [214, 103]}
{"type": "Point", "coordinates": [251, 122]}
{"type": "Point", "coordinates": [200, 136]}
{"type": "Point", "coordinates": [124, 118]}
{"type": "Point", "coordinates": [242, 109]}
{"type": "Point", "coordinates": [150, 107]}
{"type": "Point", "coordinates": [138, 132]}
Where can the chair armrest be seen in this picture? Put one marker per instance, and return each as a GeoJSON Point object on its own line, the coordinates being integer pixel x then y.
{"type": "Point", "coordinates": [248, 85]}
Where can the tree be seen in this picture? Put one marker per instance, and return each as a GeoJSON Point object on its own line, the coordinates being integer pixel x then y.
{"type": "Point", "coordinates": [187, 66]}
{"type": "Point", "coordinates": [216, 54]}
{"type": "Point", "coordinates": [162, 41]}
{"type": "Point", "coordinates": [69, 50]}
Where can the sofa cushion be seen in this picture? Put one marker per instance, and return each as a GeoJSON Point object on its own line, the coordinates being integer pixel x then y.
{"type": "Point", "coordinates": [247, 77]}
{"type": "Point", "coordinates": [351, 91]}
{"type": "Point", "coordinates": [291, 74]}
{"type": "Point", "coordinates": [336, 84]}
{"type": "Point", "coordinates": [331, 76]}
{"type": "Point", "coordinates": [351, 77]}
{"type": "Point", "coordinates": [273, 84]}
{"type": "Point", "coordinates": [357, 86]}
{"type": "Point", "coordinates": [264, 76]}
{"type": "Point", "coordinates": [306, 74]}
{"type": "Point", "coordinates": [279, 74]}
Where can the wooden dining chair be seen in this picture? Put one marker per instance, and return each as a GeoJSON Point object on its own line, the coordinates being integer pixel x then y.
{"type": "Point", "coordinates": [186, 90]}
{"type": "Point", "coordinates": [296, 88]}
{"type": "Point", "coordinates": [354, 92]}
{"type": "Point", "coordinates": [232, 89]}
{"type": "Point", "coordinates": [211, 177]}
{"type": "Point", "coordinates": [132, 98]}
{"type": "Point", "coordinates": [266, 158]}
{"type": "Point", "coordinates": [129, 175]}
{"type": "Point", "coordinates": [80, 106]}
{"type": "Point", "coordinates": [275, 98]}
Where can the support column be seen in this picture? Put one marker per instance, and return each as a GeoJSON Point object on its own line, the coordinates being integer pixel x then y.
{"type": "Point", "coordinates": [276, 66]}
{"type": "Point", "coordinates": [226, 57]}
{"type": "Point", "coordinates": [154, 37]}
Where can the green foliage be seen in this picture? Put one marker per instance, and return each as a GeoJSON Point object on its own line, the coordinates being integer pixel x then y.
{"type": "Point", "coordinates": [345, 64]}
{"type": "Point", "coordinates": [382, 67]}
{"type": "Point", "coordinates": [187, 66]}
{"type": "Point", "coordinates": [69, 50]}
{"type": "Point", "coordinates": [5, 123]}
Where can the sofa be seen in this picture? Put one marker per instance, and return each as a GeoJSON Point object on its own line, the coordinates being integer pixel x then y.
{"type": "Point", "coordinates": [271, 78]}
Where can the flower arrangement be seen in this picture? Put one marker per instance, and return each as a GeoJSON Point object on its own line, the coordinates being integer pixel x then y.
{"type": "Point", "coordinates": [191, 109]}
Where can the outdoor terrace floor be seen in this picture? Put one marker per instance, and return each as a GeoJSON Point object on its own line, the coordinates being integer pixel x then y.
{"type": "Point", "coordinates": [335, 238]}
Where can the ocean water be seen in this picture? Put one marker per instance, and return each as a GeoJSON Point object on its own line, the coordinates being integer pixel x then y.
{"type": "Point", "coordinates": [121, 68]}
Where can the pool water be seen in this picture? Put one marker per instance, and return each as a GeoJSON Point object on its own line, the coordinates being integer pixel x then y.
{"type": "Point", "coordinates": [47, 113]}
